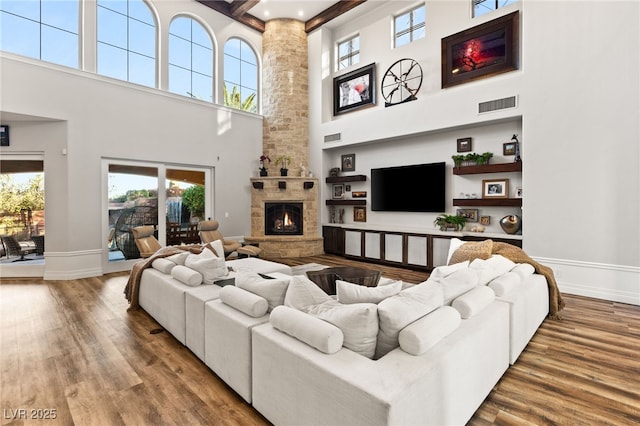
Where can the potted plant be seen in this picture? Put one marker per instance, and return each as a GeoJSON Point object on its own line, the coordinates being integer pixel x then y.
{"type": "Point", "coordinates": [283, 161]}
{"type": "Point", "coordinates": [263, 169]}
{"type": "Point", "coordinates": [483, 158]}
{"type": "Point", "coordinates": [193, 199]}
{"type": "Point", "coordinates": [449, 221]}
{"type": "Point", "coordinates": [457, 160]}
{"type": "Point", "coordinates": [470, 159]}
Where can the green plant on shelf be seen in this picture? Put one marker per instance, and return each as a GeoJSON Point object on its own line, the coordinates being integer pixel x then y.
{"type": "Point", "coordinates": [449, 221]}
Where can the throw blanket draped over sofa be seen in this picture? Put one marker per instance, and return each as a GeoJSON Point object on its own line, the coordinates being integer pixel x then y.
{"type": "Point", "coordinates": [484, 250]}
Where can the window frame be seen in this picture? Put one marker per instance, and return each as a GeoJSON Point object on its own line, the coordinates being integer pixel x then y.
{"type": "Point", "coordinates": [242, 61]}
{"type": "Point", "coordinates": [350, 54]}
{"type": "Point", "coordinates": [476, 3]}
{"type": "Point", "coordinates": [412, 27]}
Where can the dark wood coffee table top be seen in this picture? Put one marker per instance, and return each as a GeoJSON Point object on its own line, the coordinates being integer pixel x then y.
{"type": "Point", "coordinates": [326, 278]}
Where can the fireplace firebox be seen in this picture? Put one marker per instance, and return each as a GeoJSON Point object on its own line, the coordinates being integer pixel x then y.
{"type": "Point", "coordinates": [283, 218]}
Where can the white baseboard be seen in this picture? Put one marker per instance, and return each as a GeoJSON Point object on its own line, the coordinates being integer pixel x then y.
{"type": "Point", "coordinates": [73, 265]}
{"type": "Point", "coordinates": [617, 283]}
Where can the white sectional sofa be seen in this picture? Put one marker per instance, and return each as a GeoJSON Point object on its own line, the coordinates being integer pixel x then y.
{"type": "Point", "coordinates": [394, 354]}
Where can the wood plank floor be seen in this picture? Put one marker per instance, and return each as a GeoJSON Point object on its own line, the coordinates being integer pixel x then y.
{"type": "Point", "coordinates": [71, 346]}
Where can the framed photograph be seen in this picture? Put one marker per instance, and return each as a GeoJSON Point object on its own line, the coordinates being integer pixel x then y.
{"type": "Point", "coordinates": [349, 163]}
{"type": "Point", "coordinates": [359, 214]}
{"type": "Point", "coordinates": [338, 191]}
{"type": "Point", "coordinates": [485, 220]}
{"type": "Point", "coordinates": [470, 214]}
{"type": "Point", "coordinates": [509, 148]}
{"type": "Point", "coordinates": [347, 188]}
{"type": "Point", "coordinates": [354, 90]}
{"type": "Point", "coordinates": [4, 135]}
{"type": "Point", "coordinates": [359, 194]}
{"type": "Point", "coordinates": [495, 188]}
{"type": "Point", "coordinates": [482, 51]}
{"type": "Point", "coordinates": [464, 145]}
{"type": "Point", "coordinates": [518, 192]}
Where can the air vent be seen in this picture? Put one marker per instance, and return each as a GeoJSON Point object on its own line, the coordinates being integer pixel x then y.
{"type": "Point", "coordinates": [497, 104]}
{"type": "Point", "coordinates": [332, 138]}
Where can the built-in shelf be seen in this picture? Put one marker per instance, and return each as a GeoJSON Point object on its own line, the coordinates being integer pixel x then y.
{"type": "Point", "coordinates": [516, 166]}
{"type": "Point", "coordinates": [501, 202]}
{"type": "Point", "coordinates": [341, 179]}
{"type": "Point", "coordinates": [346, 202]}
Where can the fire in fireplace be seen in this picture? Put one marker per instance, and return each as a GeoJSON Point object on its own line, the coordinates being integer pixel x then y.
{"type": "Point", "coordinates": [283, 219]}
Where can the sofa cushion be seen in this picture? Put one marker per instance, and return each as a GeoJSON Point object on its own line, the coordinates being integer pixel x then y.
{"type": "Point", "coordinates": [396, 312]}
{"type": "Point", "coordinates": [302, 293]}
{"type": "Point", "coordinates": [273, 290]}
{"type": "Point", "coordinates": [505, 283]}
{"type": "Point", "coordinates": [178, 258]}
{"type": "Point", "coordinates": [163, 265]}
{"type": "Point", "coordinates": [524, 270]}
{"type": "Point", "coordinates": [454, 244]}
{"type": "Point", "coordinates": [353, 293]}
{"type": "Point", "coordinates": [208, 264]}
{"type": "Point", "coordinates": [216, 247]}
{"type": "Point", "coordinates": [474, 301]}
{"type": "Point", "coordinates": [313, 331]}
{"type": "Point", "coordinates": [489, 269]}
{"type": "Point", "coordinates": [358, 323]}
{"type": "Point", "coordinates": [186, 275]}
{"type": "Point", "coordinates": [446, 270]}
{"type": "Point", "coordinates": [456, 283]}
{"type": "Point", "coordinates": [244, 301]}
{"type": "Point", "coordinates": [419, 336]}
{"type": "Point", "coordinates": [471, 250]}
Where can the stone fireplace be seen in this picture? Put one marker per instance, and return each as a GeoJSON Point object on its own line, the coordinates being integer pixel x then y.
{"type": "Point", "coordinates": [271, 199]}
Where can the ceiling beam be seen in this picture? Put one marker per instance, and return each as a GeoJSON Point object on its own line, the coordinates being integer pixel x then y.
{"type": "Point", "coordinates": [240, 7]}
{"type": "Point", "coordinates": [226, 9]}
{"type": "Point", "coordinates": [330, 13]}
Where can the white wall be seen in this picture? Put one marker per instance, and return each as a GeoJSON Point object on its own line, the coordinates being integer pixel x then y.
{"type": "Point", "coordinates": [578, 108]}
{"type": "Point", "coordinates": [50, 108]}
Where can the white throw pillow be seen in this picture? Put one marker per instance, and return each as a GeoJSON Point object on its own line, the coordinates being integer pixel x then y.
{"type": "Point", "coordinates": [313, 331]}
{"type": "Point", "coordinates": [396, 312]}
{"type": "Point", "coordinates": [163, 265]}
{"type": "Point", "coordinates": [244, 301]}
{"type": "Point", "coordinates": [446, 270]}
{"type": "Point", "coordinates": [303, 292]}
{"type": "Point", "coordinates": [474, 301]}
{"type": "Point", "coordinates": [358, 323]}
{"type": "Point", "coordinates": [273, 290]}
{"type": "Point", "coordinates": [217, 248]}
{"type": "Point", "coordinates": [208, 264]}
{"type": "Point", "coordinates": [456, 284]}
{"type": "Point", "coordinates": [486, 272]}
{"type": "Point", "coordinates": [178, 258]}
{"type": "Point", "coordinates": [454, 245]}
{"type": "Point", "coordinates": [505, 283]}
{"type": "Point", "coordinates": [524, 270]}
{"type": "Point", "coordinates": [186, 275]}
{"type": "Point", "coordinates": [353, 293]}
{"type": "Point", "coordinates": [420, 336]}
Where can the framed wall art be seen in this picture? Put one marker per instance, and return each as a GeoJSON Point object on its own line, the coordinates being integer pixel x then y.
{"type": "Point", "coordinates": [509, 148]}
{"type": "Point", "coordinates": [349, 163]}
{"type": "Point", "coordinates": [495, 188]}
{"type": "Point", "coordinates": [354, 90]}
{"type": "Point", "coordinates": [464, 145]}
{"type": "Point", "coordinates": [470, 214]}
{"type": "Point", "coordinates": [359, 194]}
{"type": "Point", "coordinates": [359, 214]}
{"type": "Point", "coordinates": [482, 51]}
{"type": "Point", "coordinates": [485, 220]}
{"type": "Point", "coordinates": [338, 191]}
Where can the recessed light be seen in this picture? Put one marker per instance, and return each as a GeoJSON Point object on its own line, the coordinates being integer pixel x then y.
{"type": "Point", "coordinates": [300, 13]}
{"type": "Point", "coordinates": [266, 13]}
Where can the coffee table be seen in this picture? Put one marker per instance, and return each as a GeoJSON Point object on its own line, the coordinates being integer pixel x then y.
{"type": "Point", "coordinates": [326, 278]}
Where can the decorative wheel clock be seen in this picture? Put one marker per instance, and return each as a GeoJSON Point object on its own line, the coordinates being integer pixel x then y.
{"type": "Point", "coordinates": [401, 82]}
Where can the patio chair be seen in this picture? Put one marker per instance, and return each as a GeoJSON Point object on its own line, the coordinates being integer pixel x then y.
{"type": "Point", "coordinates": [145, 240]}
{"type": "Point", "coordinates": [209, 232]}
{"type": "Point", "coordinates": [38, 240]}
{"type": "Point", "coordinates": [13, 248]}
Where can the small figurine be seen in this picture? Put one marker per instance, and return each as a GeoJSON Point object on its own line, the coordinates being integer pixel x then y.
{"type": "Point", "coordinates": [332, 214]}
{"type": "Point", "coordinates": [303, 171]}
{"type": "Point", "coordinates": [341, 216]}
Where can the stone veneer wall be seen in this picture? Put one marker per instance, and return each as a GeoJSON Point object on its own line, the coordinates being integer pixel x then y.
{"type": "Point", "coordinates": [285, 93]}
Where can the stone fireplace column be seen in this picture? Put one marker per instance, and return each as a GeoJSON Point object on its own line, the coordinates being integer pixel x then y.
{"type": "Point", "coordinates": [285, 92]}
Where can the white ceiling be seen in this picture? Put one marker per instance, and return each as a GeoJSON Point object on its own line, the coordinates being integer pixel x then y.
{"type": "Point", "coordinates": [294, 9]}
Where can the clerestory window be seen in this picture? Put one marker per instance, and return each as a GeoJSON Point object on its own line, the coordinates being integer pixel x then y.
{"type": "Point", "coordinates": [349, 52]}
{"type": "Point", "coordinates": [126, 41]}
{"type": "Point", "coordinates": [40, 29]}
{"type": "Point", "coordinates": [240, 75]}
{"type": "Point", "coordinates": [190, 59]}
{"type": "Point", "coordinates": [409, 26]}
{"type": "Point", "coordinates": [481, 7]}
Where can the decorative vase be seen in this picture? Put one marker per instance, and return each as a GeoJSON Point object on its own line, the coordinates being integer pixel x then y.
{"type": "Point", "coordinates": [263, 172]}
{"type": "Point", "coordinates": [511, 224]}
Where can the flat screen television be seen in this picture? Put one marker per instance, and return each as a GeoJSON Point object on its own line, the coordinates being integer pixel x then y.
{"type": "Point", "coordinates": [414, 188]}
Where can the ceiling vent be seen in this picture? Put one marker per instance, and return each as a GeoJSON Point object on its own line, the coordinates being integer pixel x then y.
{"type": "Point", "coordinates": [332, 138]}
{"type": "Point", "coordinates": [497, 104]}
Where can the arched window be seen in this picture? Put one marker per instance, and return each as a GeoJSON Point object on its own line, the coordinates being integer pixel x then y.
{"type": "Point", "coordinates": [45, 30]}
{"type": "Point", "coordinates": [127, 41]}
{"type": "Point", "coordinates": [240, 75]}
{"type": "Point", "coordinates": [190, 59]}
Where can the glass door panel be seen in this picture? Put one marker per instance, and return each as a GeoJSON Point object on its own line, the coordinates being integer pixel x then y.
{"type": "Point", "coordinates": [185, 205]}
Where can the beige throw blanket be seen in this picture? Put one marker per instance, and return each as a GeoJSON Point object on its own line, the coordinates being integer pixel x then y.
{"type": "Point", "coordinates": [133, 283]}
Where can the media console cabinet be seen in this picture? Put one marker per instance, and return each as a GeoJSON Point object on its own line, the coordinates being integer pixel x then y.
{"type": "Point", "coordinates": [414, 250]}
